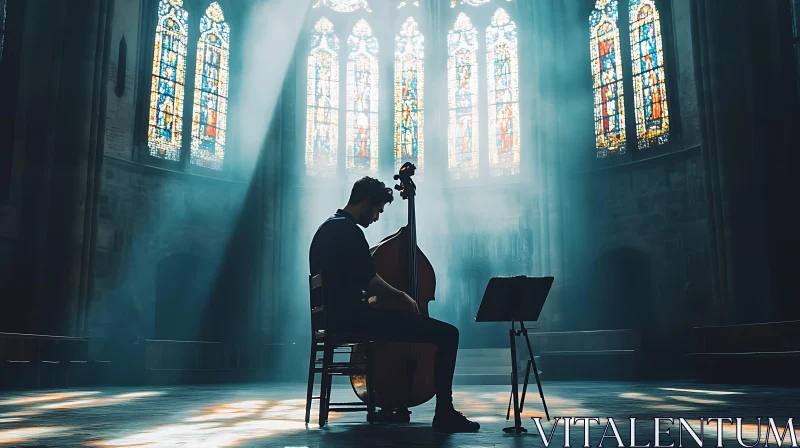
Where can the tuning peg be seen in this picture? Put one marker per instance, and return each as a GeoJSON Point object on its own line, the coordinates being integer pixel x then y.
{"type": "Point", "coordinates": [398, 187]}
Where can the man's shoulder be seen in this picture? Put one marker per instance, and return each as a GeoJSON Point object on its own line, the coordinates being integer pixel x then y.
{"type": "Point", "coordinates": [336, 220]}
{"type": "Point", "coordinates": [338, 223]}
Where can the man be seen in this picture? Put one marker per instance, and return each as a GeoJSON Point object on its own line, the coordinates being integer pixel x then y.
{"type": "Point", "coordinates": [340, 250]}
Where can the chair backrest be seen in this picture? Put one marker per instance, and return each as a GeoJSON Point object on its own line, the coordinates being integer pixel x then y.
{"type": "Point", "coordinates": [317, 296]}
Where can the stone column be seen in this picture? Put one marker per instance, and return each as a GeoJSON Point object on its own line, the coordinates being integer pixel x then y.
{"type": "Point", "coordinates": [741, 88]}
{"type": "Point", "coordinates": [60, 123]}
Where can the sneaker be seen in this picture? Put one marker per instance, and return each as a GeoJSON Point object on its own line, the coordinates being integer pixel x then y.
{"type": "Point", "coordinates": [453, 421]}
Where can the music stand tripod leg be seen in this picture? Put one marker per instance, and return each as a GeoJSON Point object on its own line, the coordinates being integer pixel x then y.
{"type": "Point", "coordinates": [517, 428]}
{"type": "Point", "coordinates": [541, 393]}
{"type": "Point", "coordinates": [525, 386]}
{"type": "Point", "coordinates": [508, 411]}
{"type": "Point", "coordinates": [524, 390]}
{"type": "Point", "coordinates": [532, 361]}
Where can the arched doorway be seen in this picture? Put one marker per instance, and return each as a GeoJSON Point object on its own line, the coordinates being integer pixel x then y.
{"type": "Point", "coordinates": [182, 287]}
{"type": "Point", "coordinates": [621, 294]}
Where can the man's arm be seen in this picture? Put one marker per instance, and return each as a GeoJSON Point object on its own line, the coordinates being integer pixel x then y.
{"type": "Point", "coordinates": [364, 271]}
{"type": "Point", "coordinates": [378, 287]}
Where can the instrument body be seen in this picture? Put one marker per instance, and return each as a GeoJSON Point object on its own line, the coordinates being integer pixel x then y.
{"type": "Point", "coordinates": [402, 372]}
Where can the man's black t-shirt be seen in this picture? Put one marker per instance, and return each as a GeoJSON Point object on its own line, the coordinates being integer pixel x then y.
{"type": "Point", "coordinates": [340, 250]}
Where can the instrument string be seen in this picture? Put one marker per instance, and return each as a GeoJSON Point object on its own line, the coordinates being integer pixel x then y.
{"type": "Point", "coordinates": [413, 253]}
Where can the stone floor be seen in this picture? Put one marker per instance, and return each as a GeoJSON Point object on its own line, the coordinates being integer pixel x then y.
{"type": "Point", "coordinates": [271, 415]}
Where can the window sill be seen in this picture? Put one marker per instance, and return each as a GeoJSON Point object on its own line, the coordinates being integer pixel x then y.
{"type": "Point", "coordinates": [169, 172]}
{"type": "Point", "coordinates": [643, 161]}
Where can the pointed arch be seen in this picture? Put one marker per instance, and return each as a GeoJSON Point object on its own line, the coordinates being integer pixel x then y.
{"type": "Point", "coordinates": [362, 101]}
{"type": "Point", "coordinates": [167, 86]}
{"type": "Point", "coordinates": [409, 96]}
{"type": "Point", "coordinates": [649, 87]}
{"type": "Point", "coordinates": [502, 63]}
{"type": "Point", "coordinates": [609, 105]}
{"type": "Point", "coordinates": [462, 99]}
{"type": "Point", "coordinates": [210, 111]}
{"type": "Point", "coordinates": [322, 101]}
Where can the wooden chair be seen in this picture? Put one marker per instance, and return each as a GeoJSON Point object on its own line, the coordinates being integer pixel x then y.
{"type": "Point", "coordinates": [328, 344]}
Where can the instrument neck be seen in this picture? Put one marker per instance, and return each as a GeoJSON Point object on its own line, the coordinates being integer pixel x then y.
{"type": "Point", "coordinates": [412, 247]}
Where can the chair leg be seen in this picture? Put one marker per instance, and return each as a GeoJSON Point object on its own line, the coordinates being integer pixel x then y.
{"type": "Point", "coordinates": [328, 387]}
{"type": "Point", "coordinates": [370, 395]}
{"type": "Point", "coordinates": [310, 387]}
{"type": "Point", "coordinates": [324, 394]}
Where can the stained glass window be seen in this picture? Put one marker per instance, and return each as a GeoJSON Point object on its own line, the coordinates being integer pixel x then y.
{"type": "Point", "coordinates": [650, 91]}
{"type": "Point", "coordinates": [503, 93]}
{"type": "Point", "coordinates": [344, 5]}
{"type": "Point", "coordinates": [462, 99]}
{"type": "Point", "coordinates": [167, 88]}
{"type": "Point", "coordinates": [2, 30]}
{"type": "Point", "coordinates": [609, 106]}
{"type": "Point", "coordinates": [409, 87]}
{"type": "Point", "coordinates": [210, 112]}
{"type": "Point", "coordinates": [322, 101]}
{"type": "Point", "coordinates": [362, 101]}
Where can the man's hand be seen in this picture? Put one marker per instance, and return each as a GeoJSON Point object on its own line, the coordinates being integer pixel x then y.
{"type": "Point", "coordinates": [378, 287]}
{"type": "Point", "coordinates": [412, 304]}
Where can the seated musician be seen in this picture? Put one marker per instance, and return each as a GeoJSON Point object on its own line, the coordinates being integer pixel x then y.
{"type": "Point", "coordinates": [340, 250]}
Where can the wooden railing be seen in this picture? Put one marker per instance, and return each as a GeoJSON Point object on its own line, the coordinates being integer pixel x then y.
{"type": "Point", "coordinates": [205, 355]}
{"type": "Point", "coordinates": [596, 341]}
{"type": "Point", "coordinates": [749, 338]}
{"type": "Point", "coordinates": [598, 354]}
{"type": "Point", "coordinates": [177, 362]}
{"type": "Point", "coordinates": [30, 360]}
{"type": "Point", "coordinates": [756, 353]}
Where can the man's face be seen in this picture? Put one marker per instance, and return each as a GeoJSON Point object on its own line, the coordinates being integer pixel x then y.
{"type": "Point", "coordinates": [371, 214]}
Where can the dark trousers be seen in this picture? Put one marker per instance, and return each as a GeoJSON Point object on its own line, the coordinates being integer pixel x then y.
{"type": "Point", "coordinates": [404, 326]}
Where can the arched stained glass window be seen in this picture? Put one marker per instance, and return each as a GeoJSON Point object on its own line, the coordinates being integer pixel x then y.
{"type": "Point", "coordinates": [167, 88]}
{"type": "Point", "coordinates": [462, 99]}
{"type": "Point", "coordinates": [503, 92]}
{"type": "Point", "coordinates": [649, 88]}
{"type": "Point", "coordinates": [344, 5]}
{"type": "Point", "coordinates": [409, 87]}
{"type": "Point", "coordinates": [362, 101]}
{"type": "Point", "coordinates": [609, 106]}
{"type": "Point", "coordinates": [210, 112]}
{"type": "Point", "coordinates": [322, 101]}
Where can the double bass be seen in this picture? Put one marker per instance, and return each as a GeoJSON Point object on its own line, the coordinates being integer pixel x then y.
{"type": "Point", "coordinates": [402, 372]}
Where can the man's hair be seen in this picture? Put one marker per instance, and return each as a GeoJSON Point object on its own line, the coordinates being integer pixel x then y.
{"type": "Point", "coordinates": [368, 187]}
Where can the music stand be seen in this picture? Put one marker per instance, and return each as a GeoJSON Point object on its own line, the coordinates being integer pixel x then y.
{"type": "Point", "coordinates": [516, 299]}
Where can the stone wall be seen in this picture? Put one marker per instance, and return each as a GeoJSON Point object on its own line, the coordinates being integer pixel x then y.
{"type": "Point", "coordinates": [147, 214]}
{"type": "Point", "coordinates": [656, 207]}
{"type": "Point", "coordinates": [120, 110]}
